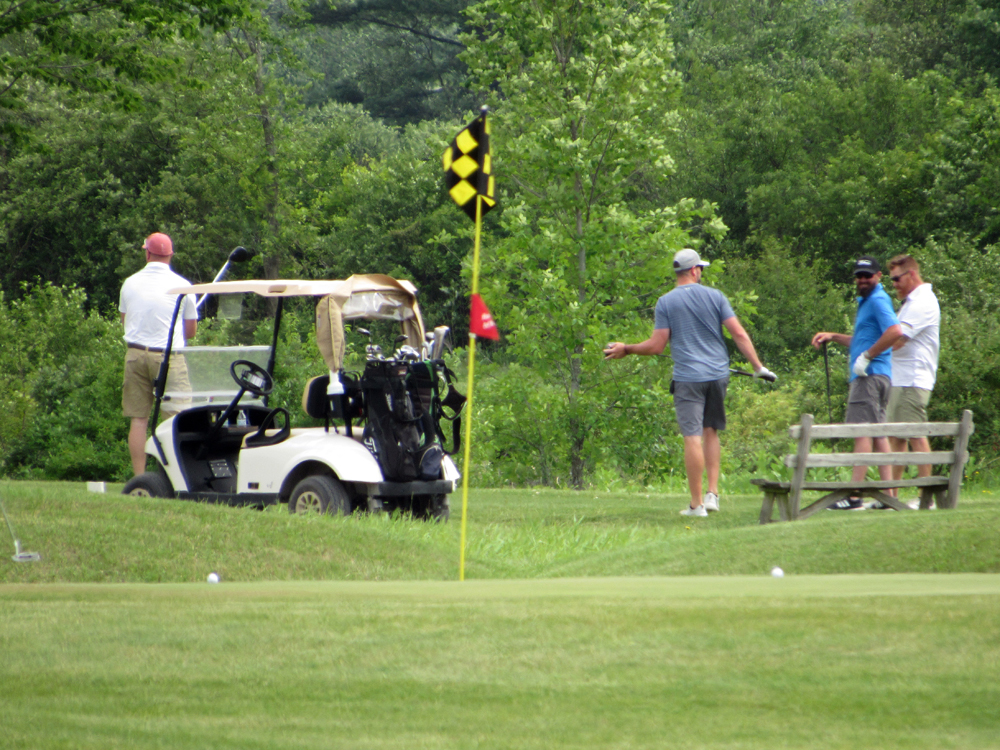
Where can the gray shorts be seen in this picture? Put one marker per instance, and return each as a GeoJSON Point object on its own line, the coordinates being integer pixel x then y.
{"type": "Point", "coordinates": [867, 399]}
{"type": "Point", "coordinates": [907, 404]}
{"type": "Point", "coordinates": [700, 405]}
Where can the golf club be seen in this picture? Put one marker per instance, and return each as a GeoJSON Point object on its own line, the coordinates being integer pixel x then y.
{"type": "Point", "coordinates": [769, 377]}
{"type": "Point", "coordinates": [238, 255]}
{"type": "Point", "coordinates": [826, 362]}
{"type": "Point", "coordinates": [19, 556]}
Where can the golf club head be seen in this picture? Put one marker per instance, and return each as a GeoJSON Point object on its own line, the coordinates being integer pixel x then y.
{"type": "Point", "coordinates": [240, 254]}
{"type": "Point", "coordinates": [20, 556]}
{"type": "Point", "coordinates": [770, 377]}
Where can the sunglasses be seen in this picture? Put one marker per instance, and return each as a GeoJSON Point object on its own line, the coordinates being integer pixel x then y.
{"type": "Point", "coordinates": [895, 279]}
{"type": "Point", "coordinates": [863, 275]}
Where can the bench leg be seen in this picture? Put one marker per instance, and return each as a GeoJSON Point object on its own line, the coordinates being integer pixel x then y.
{"type": "Point", "coordinates": [892, 502]}
{"type": "Point", "coordinates": [766, 508]}
{"type": "Point", "coordinates": [926, 497]}
{"type": "Point", "coordinates": [941, 498]}
{"type": "Point", "coordinates": [784, 507]}
{"type": "Point", "coordinates": [824, 502]}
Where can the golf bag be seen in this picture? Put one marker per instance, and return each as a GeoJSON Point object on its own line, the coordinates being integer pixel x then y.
{"type": "Point", "coordinates": [399, 431]}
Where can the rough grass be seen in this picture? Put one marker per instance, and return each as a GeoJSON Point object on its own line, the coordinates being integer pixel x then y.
{"type": "Point", "coordinates": [89, 537]}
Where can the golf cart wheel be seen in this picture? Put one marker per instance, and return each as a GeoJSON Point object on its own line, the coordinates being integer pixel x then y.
{"type": "Point", "coordinates": [150, 484]}
{"type": "Point", "coordinates": [320, 494]}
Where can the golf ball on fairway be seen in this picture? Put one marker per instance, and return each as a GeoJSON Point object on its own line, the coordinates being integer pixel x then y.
{"type": "Point", "coordinates": [777, 572]}
{"type": "Point", "coordinates": [213, 577]}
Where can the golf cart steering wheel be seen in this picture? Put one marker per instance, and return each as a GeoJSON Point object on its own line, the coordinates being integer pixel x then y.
{"type": "Point", "coordinates": [252, 377]}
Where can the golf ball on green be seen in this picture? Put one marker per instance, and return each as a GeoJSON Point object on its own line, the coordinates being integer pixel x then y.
{"type": "Point", "coordinates": [213, 577]}
{"type": "Point", "coordinates": [777, 572]}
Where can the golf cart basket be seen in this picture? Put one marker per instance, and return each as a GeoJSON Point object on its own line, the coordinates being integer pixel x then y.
{"type": "Point", "coordinates": [402, 398]}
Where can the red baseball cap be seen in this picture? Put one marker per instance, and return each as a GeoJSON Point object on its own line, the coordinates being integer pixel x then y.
{"type": "Point", "coordinates": [159, 244]}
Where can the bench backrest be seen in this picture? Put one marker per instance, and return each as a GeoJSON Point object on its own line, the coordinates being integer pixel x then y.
{"type": "Point", "coordinates": [805, 432]}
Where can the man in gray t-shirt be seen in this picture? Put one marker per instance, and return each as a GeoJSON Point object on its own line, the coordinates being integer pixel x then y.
{"type": "Point", "coordinates": [690, 318]}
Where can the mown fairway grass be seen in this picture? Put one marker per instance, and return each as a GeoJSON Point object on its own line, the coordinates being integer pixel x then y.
{"type": "Point", "coordinates": [276, 657]}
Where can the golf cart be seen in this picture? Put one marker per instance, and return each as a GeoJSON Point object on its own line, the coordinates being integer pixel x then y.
{"type": "Point", "coordinates": [381, 443]}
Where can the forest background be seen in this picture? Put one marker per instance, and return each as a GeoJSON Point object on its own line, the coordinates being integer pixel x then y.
{"type": "Point", "coordinates": [780, 138]}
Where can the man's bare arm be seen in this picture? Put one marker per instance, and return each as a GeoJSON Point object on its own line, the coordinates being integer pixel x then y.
{"type": "Point", "coordinates": [838, 338]}
{"type": "Point", "coordinates": [655, 344]}
{"type": "Point", "coordinates": [888, 338]}
{"type": "Point", "coordinates": [742, 340]}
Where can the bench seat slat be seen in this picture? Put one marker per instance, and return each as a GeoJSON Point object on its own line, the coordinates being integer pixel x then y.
{"type": "Point", "coordinates": [878, 484]}
{"type": "Point", "coordinates": [886, 429]}
{"type": "Point", "coordinates": [821, 460]}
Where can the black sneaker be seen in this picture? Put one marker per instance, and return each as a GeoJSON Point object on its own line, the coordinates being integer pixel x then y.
{"type": "Point", "coordinates": [852, 503]}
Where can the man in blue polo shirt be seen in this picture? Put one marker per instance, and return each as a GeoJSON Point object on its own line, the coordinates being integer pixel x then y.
{"type": "Point", "coordinates": [876, 329]}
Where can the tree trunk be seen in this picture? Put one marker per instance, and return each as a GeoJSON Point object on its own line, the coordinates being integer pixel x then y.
{"type": "Point", "coordinates": [272, 260]}
{"type": "Point", "coordinates": [578, 436]}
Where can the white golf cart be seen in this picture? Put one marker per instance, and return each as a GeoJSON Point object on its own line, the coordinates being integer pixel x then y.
{"type": "Point", "coordinates": [381, 446]}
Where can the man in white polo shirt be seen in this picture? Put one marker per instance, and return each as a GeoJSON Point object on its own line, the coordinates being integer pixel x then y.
{"type": "Point", "coordinates": [146, 310]}
{"type": "Point", "coordinates": [914, 355]}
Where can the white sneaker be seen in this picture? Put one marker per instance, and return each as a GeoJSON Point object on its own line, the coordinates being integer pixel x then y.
{"type": "Point", "coordinates": [699, 511]}
{"type": "Point", "coordinates": [711, 502]}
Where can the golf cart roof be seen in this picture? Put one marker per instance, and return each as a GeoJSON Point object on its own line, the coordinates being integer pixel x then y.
{"type": "Point", "coordinates": [360, 297]}
{"type": "Point", "coordinates": [303, 287]}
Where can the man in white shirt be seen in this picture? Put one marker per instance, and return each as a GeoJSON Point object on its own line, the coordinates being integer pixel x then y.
{"type": "Point", "coordinates": [146, 310]}
{"type": "Point", "coordinates": [914, 356]}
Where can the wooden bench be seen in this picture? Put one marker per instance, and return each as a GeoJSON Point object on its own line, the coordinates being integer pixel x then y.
{"type": "Point", "coordinates": [943, 490]}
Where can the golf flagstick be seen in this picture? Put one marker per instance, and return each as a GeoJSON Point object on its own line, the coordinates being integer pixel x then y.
{"type": "Point", "coordinates": [468, 169]}
{"type": "Point", "coordinates": [468, 406]}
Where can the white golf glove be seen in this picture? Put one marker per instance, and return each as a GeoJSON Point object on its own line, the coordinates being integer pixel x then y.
{"type": "Point", "coordinates": [764, 374]}
{"type": "Point", "coordinates": [335, 388]}
{"type": "Point", "coordinates": [861, 365]}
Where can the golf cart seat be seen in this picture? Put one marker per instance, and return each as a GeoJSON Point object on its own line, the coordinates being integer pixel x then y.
{"type": "Point", "coordinates": [348, 406]}
{"type": "Point", "coordinates": [266, 434]}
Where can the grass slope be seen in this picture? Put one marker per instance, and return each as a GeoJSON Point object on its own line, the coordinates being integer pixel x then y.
{"type": "Point", "coordinates": [87, 537]}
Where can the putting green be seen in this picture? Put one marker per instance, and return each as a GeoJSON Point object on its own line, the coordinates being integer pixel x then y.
{"type": "Point", "coordinates": [654, 587]}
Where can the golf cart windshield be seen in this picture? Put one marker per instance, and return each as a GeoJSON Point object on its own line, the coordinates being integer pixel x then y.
{"type": "Point", "coordinates": [360, 297]}
{"type": "Point", "coordinates": [209, 376]}
{"type": "Point", "coordinates": [378, 306]}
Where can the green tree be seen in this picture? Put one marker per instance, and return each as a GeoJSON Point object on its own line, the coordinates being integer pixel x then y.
{"type": "Point", "coordinates": [584, 96]}
{"type": "Point", "coordinates": [399, 59]}
{"type": "Point", "coordinates": [99, 45]}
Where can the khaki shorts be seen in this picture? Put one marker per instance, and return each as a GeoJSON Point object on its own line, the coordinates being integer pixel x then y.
{"type": "Point", "coordinates": [867, 399]}
{"type": "Point", "coordinates": [138, 385]}
{"type": "Point", "coordinates": [908, 404]}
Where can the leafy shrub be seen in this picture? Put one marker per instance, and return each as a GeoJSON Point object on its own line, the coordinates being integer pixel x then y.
{"type": "Point", "coordinates": [61, 375]}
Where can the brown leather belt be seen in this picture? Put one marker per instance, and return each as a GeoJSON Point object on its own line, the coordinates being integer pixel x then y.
{"type": "Point", "coordinates": [152, 349]}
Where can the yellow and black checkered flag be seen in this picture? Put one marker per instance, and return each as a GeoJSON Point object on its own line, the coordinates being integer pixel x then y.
{"type": "Point", "coordinates": [468, 169]}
